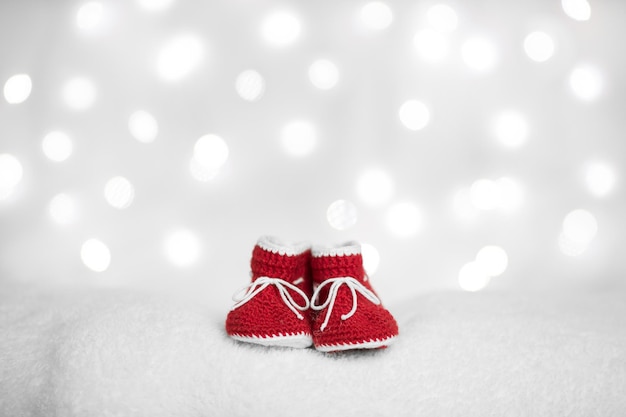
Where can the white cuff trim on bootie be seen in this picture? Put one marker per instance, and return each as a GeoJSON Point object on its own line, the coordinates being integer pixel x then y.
{"type": "Point", "coordinates": [281, 247]}
{"type": "Point", "coordinates": [348, 248]}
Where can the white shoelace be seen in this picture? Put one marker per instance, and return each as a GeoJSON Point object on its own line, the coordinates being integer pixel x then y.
{"type": "Point", "coordinates": [335, 283]}
{"type": "Point", "coordinates": [259, 284]}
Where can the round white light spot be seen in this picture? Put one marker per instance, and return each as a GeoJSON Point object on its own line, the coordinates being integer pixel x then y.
{"type": "Point", "coordinates": [182, 248]}
{"type": "Point", "coordinates": [210, 153]}
{"type": "Point", "coordinates": [403, 219]}
{"type": "Point", "coordinates": [371, 258]}
{"type": "Point", "coordinates": [341, 214]}
{"type": "Point", "coordinates": [375, 187]}
{"type": "Point", "coordinates": [479, 54]}
{"type": "Point", "coordinates": [586, 82]}
{"type": "Point", "coordinates": [600, 179]}
{"type": "Point", "coordinates": [442, 18]}
{"type": "Point", "coordinates": [79, 93]}
{"type": "Point", "coordinates": [95, 255]}
{"type": "Point", "coordinates": [414, 115]}
{"type": "Point", "coordinates": [57, 146]}
{"type": "Point", "coordinates": [62, 209]}
{"type": "Point", "coordinates": [577, 9]}
{"type": "Point", "coordinates": [299, 138]}
{"type": "Point", "coordinates": [17, 88]}
{"type": "Point", "coordinates": [179, 57]}
{"type": "Point", "coordinates": [472, 277]}
{"type": "Point", "coordinates": [281, 28]}
{"type": "Point", "coordinates": [119, 192]}
{"type": "Point", "coordinates": [539, 46]}
{"type": "Point", "coordinates": [376, 15]}
{"type": "Point", "coordinates": [510, 128]}
{"type": "Point", "coordinates": [580, 226]}
{"type": "Point", "coordinates": [89, 15]}
{"type": "Point", "coordinates": [143, 126]}
{"type": "Point", "coordinates": [323, 74]}
{"type": "Point", "coordinates": [155, 5]}
{"type": "Point", "coordinates": [493, 260]}
{"type": "Point", "coordinates": [485, 194]}
{"type": "Point", "coordinates": [211, 150]}
{"type": "Point", "coordinates": [431, 45]}
{"type": "Point", "coordinates": [250, 85]}
{"type": "Point", "coordinates": [10, 171]}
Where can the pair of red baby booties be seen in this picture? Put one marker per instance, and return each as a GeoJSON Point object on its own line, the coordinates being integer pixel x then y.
{"type": "Point", "coordinates": [302, 296]}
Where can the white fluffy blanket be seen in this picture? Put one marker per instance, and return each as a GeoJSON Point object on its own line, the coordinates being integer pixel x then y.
{"type": "Point", "coordinates": [95, 353]}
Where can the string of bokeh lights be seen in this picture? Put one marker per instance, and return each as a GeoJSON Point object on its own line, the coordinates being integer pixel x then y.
{"type": "Point", "coordinates": [181, 55]}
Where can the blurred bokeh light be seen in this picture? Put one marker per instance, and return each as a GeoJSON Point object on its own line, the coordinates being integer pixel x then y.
{"type": "Point", "coordinates": [471, 146]}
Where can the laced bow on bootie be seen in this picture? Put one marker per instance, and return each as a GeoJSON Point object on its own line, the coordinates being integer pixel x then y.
{"type": "Point", "coordinates": [335, 283]}
{"type": "Point", "coordinates": [283, 287]}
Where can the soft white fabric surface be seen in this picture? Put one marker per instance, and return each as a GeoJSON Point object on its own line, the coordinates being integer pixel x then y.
{"type": "Point", "coordinates": [108, 353]}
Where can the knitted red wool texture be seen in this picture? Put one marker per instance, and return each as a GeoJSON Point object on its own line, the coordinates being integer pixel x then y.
{"type": "Point", "coordinates": [267, 315]}
{"type": "Point", "coordinates": [370, 322]}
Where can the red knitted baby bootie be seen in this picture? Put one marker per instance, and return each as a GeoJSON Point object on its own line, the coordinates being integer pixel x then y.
{"type": "Point", "coordinates": [273, 310]}
{"type": "Point", "coordinates": [351, 315]}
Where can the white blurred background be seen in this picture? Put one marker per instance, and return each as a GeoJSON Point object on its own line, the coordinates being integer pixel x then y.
{"type": "Point", "coordinates": [472, 146]}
